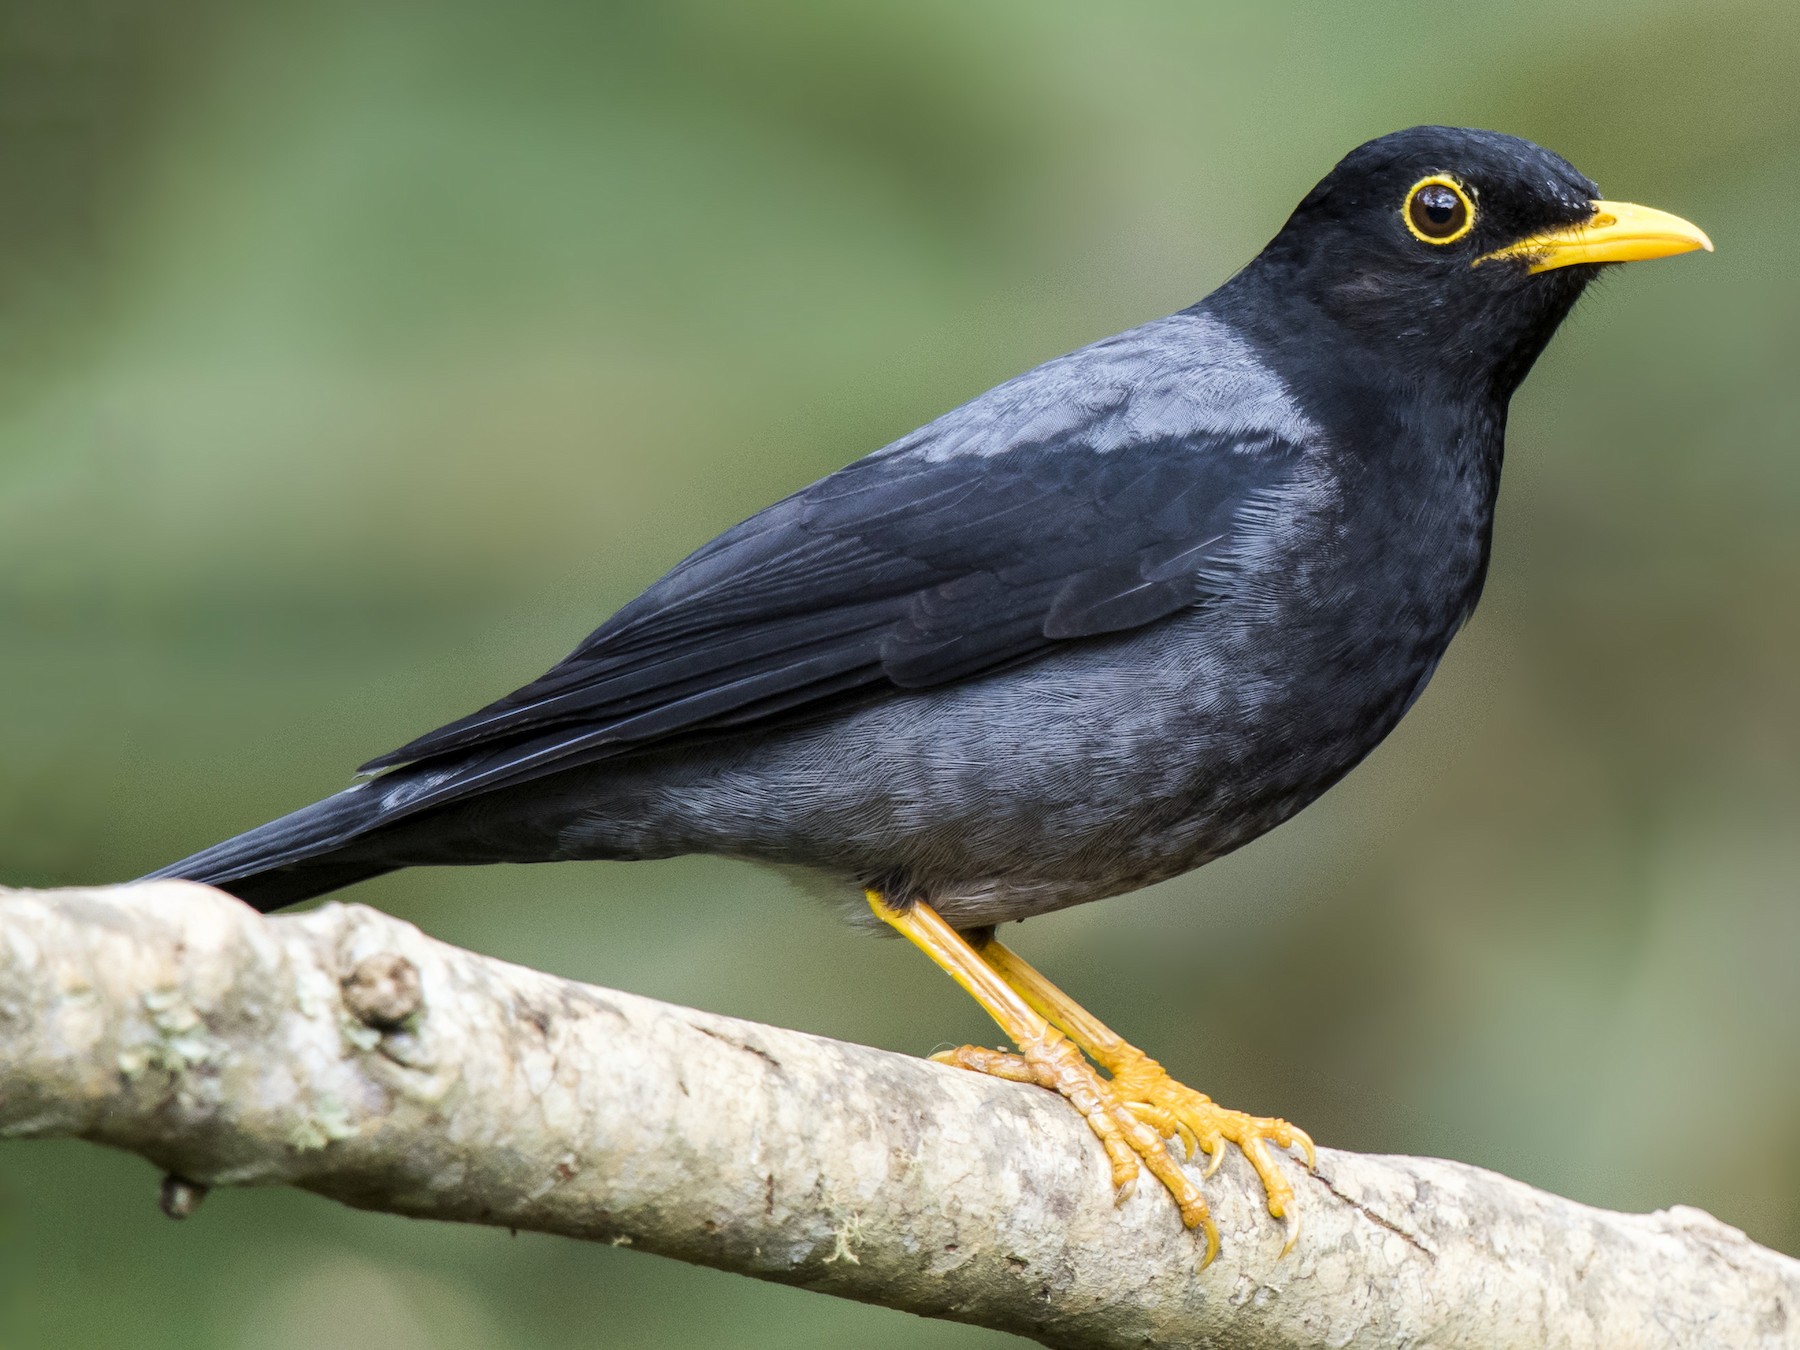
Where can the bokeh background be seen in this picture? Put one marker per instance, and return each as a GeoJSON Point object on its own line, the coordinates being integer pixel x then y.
{"type": "Point", "coordinates": [357, 358]}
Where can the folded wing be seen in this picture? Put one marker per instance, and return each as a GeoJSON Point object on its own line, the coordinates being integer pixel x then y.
{"type": "Point", "coordinates": [1067, 510]}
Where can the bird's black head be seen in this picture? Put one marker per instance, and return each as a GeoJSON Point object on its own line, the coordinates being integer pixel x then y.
{"type": "Point", "coordinates": [1453, 254]}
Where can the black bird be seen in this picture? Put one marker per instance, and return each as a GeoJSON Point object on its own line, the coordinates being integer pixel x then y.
{"type": "Point", "coordinates": [1106, 622]}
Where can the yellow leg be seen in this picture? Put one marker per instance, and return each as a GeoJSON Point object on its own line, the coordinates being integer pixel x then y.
{"type": "Point", "coordinates": [1174, 1110]}
{"type": "Point", "coordinates": [1048, 1058]}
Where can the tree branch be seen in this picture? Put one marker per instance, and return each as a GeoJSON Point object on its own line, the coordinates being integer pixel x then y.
{"type": "Point", "coordinates": [345, 1052]}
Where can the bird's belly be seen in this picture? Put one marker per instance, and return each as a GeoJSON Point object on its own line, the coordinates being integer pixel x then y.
{"type": "Point", "coordinates": [1101, 769]}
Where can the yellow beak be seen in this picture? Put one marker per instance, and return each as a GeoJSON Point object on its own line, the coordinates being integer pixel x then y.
{"type": "Point", "coordinates": [1616, 232]}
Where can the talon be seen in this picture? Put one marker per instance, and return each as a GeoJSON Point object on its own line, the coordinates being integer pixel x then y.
{"type": "Point", "coordinates": [1291, 1223]}
{"type": "Point", "coordinates": [1211, 1230]}
{"type": "Point", "coordinates": [1214, 1148]}
{"type": "Point", "coordinates": [1304, 1140]}
{"type": "Point", "coordinates": [1189, 1141]}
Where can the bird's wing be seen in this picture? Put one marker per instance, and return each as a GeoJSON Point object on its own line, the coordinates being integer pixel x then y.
{"type": "Point", "coordinates": [1065, 505]}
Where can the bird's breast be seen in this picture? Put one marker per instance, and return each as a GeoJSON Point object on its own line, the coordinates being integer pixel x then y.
{"type": "Point", "coordinates": [1347, 607]}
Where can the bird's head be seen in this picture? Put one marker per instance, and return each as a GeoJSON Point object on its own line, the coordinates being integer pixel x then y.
{"type": "Point", "coordinates": [1455, 252]}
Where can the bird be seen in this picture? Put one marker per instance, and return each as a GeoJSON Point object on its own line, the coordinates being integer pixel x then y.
{"type": "Point", "coordinates": [1100, 625]}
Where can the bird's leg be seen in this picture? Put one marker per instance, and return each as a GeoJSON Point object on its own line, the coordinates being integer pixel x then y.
{"type": "Point", "coordinates": [1174, 1110]}
{"type": "Point", "coordinates": [1048, 1058]}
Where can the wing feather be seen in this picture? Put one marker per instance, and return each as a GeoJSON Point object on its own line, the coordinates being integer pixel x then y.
{"type": "Point", "coordinates": [910, 569]}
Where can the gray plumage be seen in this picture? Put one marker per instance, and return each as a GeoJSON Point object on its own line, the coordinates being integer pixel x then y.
{"type": "Point", "coordinates": [1109, 620]}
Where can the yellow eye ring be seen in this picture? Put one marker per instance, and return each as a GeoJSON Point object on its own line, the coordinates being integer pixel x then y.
{"type": "Point", "coordinates": [1438, 210]}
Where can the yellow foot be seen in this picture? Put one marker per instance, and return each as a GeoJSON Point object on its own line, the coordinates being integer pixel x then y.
{"type": "Point", "coordinates": [1173, 1110]}
{"type": "Point", "coordinates": [1135, 1111]}
{"type": "Point", "coordinates": [1176, 1111]}
{"type": "Point", "coordinates": [1129, 1137]}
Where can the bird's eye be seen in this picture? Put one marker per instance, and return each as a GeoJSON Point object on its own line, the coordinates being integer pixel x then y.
{"type": "Point", "coordinates": [1438, 210]}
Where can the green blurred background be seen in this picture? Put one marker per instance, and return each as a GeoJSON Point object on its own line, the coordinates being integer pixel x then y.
{"type": "Point", "coordinates": [356, 359]}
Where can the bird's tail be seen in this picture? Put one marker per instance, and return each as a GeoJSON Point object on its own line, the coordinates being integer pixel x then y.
{"type": "Point", "coordinates": [301, 855]}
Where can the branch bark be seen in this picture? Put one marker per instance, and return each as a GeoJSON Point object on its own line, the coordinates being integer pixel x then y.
{"type": "Point", "coordinates": [344, 1052]}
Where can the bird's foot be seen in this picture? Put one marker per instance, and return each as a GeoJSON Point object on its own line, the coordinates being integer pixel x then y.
{"type": "Point", "coordinates": [1130, 1138]}
{"type": "Point", "coordinates": [1135, 1111]}
{"type": "Point", "coordinates": [1176, 1111]}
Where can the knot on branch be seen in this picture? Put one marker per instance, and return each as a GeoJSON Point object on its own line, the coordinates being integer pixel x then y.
{"type": "Point", "coordinates": [383, 991]}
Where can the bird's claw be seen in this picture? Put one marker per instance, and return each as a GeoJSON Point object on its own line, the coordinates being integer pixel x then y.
{"type": "Point", "coordinates": [1291, 1225]}
{"type": "Point", "coordinates": [1178, 1112]}
{"type": "Point", "coordinates": [1137, 1111]}
{"type": "Point", "coordinates": [994, 1063]}
{"type": "Point", "coordinates": [1130, 1143]}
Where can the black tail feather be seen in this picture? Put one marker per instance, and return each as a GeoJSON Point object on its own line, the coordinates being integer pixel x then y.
{"type": "Point", "coordinates": [283, 886]}
{"type": "Point", "coordinates": [299, 856]}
